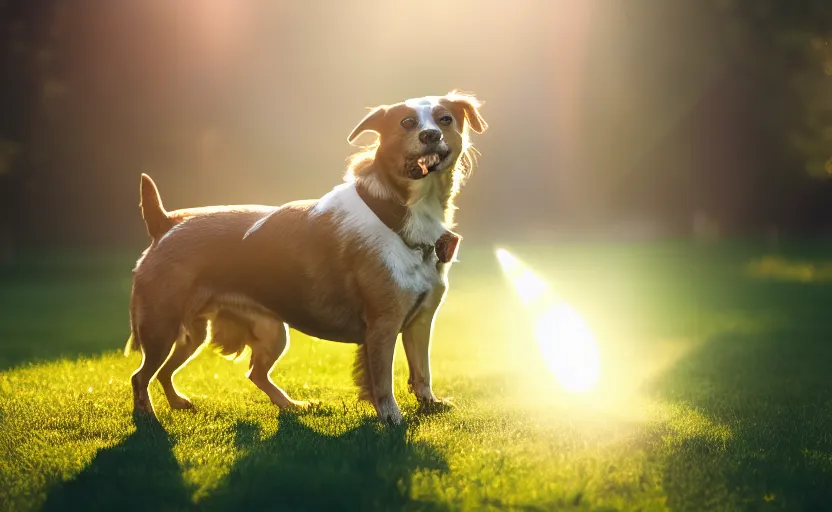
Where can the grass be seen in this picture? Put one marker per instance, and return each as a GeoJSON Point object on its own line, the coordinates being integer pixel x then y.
{"type": "Point", "coordinates": [715, 395]}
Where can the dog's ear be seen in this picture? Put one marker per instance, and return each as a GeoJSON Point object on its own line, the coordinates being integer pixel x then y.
{"type": "Point", "coordinates": [467, 107]}
{"type": "Point", "coordinates": [371, 122]}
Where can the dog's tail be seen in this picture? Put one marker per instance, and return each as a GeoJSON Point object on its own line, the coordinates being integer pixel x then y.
{"type": "Point", "coordinates": [361, 373]}
{"type": "Point", "coordinates": [153, 212]}
{"type": "Point", "coordinates": [132, 344]}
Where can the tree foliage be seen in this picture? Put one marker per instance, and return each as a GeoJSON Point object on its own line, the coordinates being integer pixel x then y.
{"type": "Point", "coordinates": [784, 51]}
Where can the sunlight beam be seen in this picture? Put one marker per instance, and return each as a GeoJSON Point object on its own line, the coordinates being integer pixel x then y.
{"type": "Point", "coordinates": [565, 340]}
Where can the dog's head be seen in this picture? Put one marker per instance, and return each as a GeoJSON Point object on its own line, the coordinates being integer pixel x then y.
{"type": "Point", "coordinates": [423, 135]}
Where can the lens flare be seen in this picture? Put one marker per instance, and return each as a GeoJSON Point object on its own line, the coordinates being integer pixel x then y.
{"type": "Point", "coordinates": [565, 340]}
{"type": "Point", "coordinates": [568, 347]}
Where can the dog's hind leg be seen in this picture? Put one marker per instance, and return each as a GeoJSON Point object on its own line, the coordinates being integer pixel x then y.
{"type": "Point", "coordinates": [183, 351]}
{"type": "Point", "coordinates": [271, 339]}
{"type": "Point", "coordinates": [156, 334]}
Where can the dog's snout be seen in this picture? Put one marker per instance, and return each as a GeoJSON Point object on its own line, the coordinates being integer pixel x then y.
{"type": "Point", "coordinates": [430, 136]}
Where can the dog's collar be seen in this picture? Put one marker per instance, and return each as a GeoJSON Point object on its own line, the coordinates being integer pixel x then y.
{"type": "Point", "coordinates": [393, 214]}
{"type": "Point", "coordinates": [389, 211]}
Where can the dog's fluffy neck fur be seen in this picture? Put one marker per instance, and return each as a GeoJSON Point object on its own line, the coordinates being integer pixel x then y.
{"type": "Point", "coordinates": [426, 204]}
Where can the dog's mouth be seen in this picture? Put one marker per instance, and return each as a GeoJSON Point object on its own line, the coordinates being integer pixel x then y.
{"type": "Point", "coordinates": [428, 163]}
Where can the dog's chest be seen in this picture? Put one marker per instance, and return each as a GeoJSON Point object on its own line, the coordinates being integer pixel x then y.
{"type": "Point", "coordinates": [412, 270]}
{"type": "Point", "coordinates": [411, 267]}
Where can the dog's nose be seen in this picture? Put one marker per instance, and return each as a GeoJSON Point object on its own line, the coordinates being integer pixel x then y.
{"type": "Point", "coordinates": [430, 136]}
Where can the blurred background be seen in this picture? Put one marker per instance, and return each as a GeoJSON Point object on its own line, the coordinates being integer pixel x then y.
{"type": "Point", "coordinates": [610, 119]}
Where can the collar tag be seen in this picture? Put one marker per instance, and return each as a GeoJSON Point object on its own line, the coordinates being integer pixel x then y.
{"type": "Point", "coordinates": [447, 246]}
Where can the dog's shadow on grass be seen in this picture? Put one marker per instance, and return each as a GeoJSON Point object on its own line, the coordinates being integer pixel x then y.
{"type": "Point", "coordinates": [369, 467]}
{"type": "Point", "coordinates": [139, 473]}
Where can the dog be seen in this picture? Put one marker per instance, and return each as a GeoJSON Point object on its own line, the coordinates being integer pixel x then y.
{"type": "Point", "coordinates": [364, 263]}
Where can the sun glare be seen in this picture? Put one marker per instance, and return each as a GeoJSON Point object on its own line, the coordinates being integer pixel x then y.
{"type": "Point", "coordinates": [565, 340]}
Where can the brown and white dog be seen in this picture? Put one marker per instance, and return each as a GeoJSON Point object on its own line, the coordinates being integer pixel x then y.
{"type": "Point", "coordinates": [359, 265]}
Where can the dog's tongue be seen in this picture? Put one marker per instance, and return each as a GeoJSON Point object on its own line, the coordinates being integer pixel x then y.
{"type": "Point", "coordinates": [422, 166]}
{"type": "Point", "coordinates": [447, 246]}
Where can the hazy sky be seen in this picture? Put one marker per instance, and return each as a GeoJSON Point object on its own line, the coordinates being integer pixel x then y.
{"type": "Point", "coordinates": [230, 101]}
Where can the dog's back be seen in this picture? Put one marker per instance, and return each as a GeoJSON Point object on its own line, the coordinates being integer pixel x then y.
{"type": "Point", "coordinates": [159, 221]}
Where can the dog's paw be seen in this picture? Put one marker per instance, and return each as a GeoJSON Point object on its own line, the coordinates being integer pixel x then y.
{"type": "Point", "coordinates": [305, 405]}
{"type": "Point", "coordinates": [301, 408]}
{"type": "Point", "coordinates": [389, 412]}
{"type": "Point", "coordinates": [143, 408]}
{"type": "Point", "coordinates": [435, 405]}
{"type": "Point", "coordinates": [181, 404]}
{"type": "Point", "coordinates": [299, 405]}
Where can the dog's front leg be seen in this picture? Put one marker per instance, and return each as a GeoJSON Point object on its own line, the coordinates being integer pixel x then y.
{"type": "Point", "coordinates": [379, 347]}
{"type": "Point", "coordinates": [416, 338]}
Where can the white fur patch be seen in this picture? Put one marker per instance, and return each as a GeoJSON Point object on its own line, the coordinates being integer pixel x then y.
{"type": "Point", "coordinates": [408, 268]}
{"type": "Point", "coordinates": [424, 109]}
{"type": "Point", "coordinates": [375, 187]}
{"type": "Point", "coordinates": [425, 224]}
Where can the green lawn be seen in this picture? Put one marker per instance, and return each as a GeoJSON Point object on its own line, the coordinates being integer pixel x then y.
{"type": "Point", "coordinates": [716, 394]}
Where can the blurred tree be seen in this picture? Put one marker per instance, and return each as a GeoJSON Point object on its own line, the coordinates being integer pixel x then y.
{"type": "Point", "coordinates": [28, 31]}
{"type": "Point", "coordinates": [782, 48]}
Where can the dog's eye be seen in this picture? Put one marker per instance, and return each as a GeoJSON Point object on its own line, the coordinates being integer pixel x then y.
{"type": "Point", "coordinates": [408, 123]}
{"type": "Point", "coordinates": [446, 120]}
